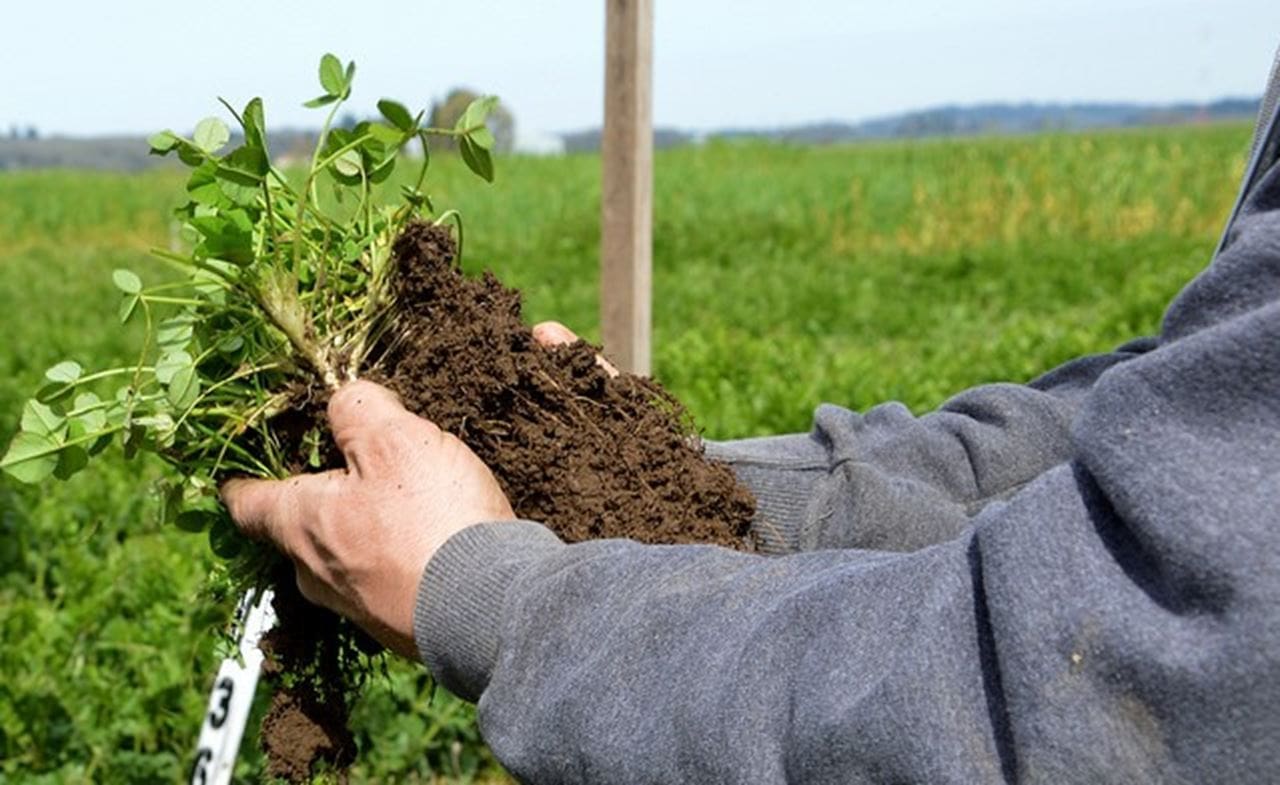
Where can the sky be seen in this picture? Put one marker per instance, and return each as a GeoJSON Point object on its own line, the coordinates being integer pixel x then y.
{"type": "Point", "coordinates": [95, 68]}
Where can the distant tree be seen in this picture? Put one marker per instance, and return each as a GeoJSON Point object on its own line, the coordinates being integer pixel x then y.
{"type": "Point", "coordinates": [32, 133]}
{"type": "Point", "coordinates": [444, 114]}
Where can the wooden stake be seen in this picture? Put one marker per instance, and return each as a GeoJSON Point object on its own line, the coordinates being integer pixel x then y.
{"type": "Point", "coordinates": [627, 190]}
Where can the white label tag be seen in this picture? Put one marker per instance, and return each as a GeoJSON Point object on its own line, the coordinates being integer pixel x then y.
{"type": "Point", "coordinates": [232, 696]}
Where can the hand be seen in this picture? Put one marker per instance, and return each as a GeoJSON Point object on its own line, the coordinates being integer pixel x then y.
{"type": "Point", "coordinates": [552, 334]}
{"type": "Point", "coordinates": [360, 537]}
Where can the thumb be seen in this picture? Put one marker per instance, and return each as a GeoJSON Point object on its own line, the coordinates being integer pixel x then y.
{"type": "Point", "coordinates": [553, 334]}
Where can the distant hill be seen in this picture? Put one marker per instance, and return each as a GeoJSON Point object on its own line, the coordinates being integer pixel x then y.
{"type": "Point", "coordinates": [996, 118]}
{"type": "Point", "coordinates": [129, 153]}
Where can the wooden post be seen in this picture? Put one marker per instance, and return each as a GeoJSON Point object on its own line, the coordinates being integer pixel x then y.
{"type": "Point", "coordinates": [626, 150]}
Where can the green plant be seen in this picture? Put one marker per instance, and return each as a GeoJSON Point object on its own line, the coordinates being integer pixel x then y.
{"type": "Point", "coordinates": [284, 293]}
{"type": "Point", "coordinates": [281, 292]}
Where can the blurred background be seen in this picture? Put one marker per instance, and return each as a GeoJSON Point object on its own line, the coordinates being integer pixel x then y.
{"type": "Point", "coordinates": [854, 202]}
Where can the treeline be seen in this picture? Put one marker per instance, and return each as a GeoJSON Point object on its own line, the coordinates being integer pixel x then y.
{"type": "Point", "coordinates": [24, 150]}
{"type": "Point", "coordinates": [995, 119]}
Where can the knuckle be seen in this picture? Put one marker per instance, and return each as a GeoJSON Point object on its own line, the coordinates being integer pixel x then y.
{"type": "Point", "coordinates": [424, 430]}
{"type": "Point", "coordinates": [361, 394]}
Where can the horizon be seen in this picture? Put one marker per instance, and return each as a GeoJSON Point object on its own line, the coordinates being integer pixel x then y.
{"type": "Point", "coordinates": [137, 69]}
{"type": "Point", "coordinates": [816, 122]}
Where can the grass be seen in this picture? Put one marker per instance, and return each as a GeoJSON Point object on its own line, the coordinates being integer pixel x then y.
{"type": "Point", "coordinates": [783, 277]}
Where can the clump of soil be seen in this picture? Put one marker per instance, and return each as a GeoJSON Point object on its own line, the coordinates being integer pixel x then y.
{"type": "Point", "coordinates": [588, 454]}
{"type": "Point", "coordinates": [307, 654]}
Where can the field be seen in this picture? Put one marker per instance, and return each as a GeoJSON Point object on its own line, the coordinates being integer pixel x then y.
{"type": "Point", "coordinates": [783, 277]}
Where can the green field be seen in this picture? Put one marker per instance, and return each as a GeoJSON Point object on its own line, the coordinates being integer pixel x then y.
{"type": "Point", "coordinates": [783, 277]}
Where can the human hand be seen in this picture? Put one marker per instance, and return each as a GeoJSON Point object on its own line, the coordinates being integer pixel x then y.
{"type": "Point", "coordinates": [360, 537]}
{"type": "Point", "coordinates": [552, 334]}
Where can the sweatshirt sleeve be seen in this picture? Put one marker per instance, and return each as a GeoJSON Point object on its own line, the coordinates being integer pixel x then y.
{"type": "Point", "coordinates": [1113, 620]}
{"type": "Point", "coordinates": [887, 480]}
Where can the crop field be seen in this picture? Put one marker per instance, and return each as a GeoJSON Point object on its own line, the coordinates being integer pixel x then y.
{"type": "Point", "coordinates": [784, 277]}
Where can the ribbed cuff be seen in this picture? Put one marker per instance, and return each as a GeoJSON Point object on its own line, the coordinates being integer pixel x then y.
{"type": "Point", "coordinates": [783, 473]}
{"type": "Point", "coordinates": [458, 613]}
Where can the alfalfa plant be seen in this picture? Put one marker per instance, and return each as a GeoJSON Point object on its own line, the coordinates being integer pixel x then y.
{"type": "Point", "coordinates": [285, 292]}
{"type": "Point", "coordinates": [281, 291]}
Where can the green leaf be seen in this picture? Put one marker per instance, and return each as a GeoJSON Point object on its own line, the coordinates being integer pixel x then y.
{"type": "Point", "coordinates": [255, 125]}
{"type": "Point", "coordinates": [66, 372]}
{"type": "Point", "coordinates": [228, 235]}
{"type": "Point", "coordinates": [184, 388]}
{"type": "Point", "coordinates": [331, 78]}
{"type": "Point", "coordinates": [127, 281]}
{"type": "Point", "coordinates": [85, 426]}
{"type": "Point", "coordinates": [203, 186]}
{"type": "Point", "coordinates": [483, 137]}
{"type": "Point", "coordinates": [349, 77]}
{"type": "Point", "coordinates": [196, 521]}
{"type": "Point", "coordinates": [477, 112]}
{"type": "Point", "coordinates": [174, 333]}
{"type": "Point", "coordinates": [211, 135]}
{"type": "Point", "coordinates": [54, 391]}
{"type": "Point", "coordinates": [348, 164]}
{"type": "Point", "coordinates": [31, 457]}
{"type": "Point", "coordinates": [476, 158]}
{"type": "Point", "coordinates": [100, 444]}
{"type": "Point", "coordinates": [91, 423]}
{"type": "Point", "coordinates": [397, 115]}
{"type": "Point", "coordinates": [127, 307]}
{"type": "Point", "coordinates": [161, 427]}
{"type": "Point", "coordinates": [169, 365]}
{"type": "Point", "coordinates": [383, 170]}
{"type": "Point", "coordinates": [224, 539]}
{"type": "Point", "coordinates": [71, 460]}
{"type": "Point", "coordinates": [386, 140]}
{"type": "Point", "coordinates": [162, 143]}
{"type": "Point", "coordinates": [245, 166]}
{"type": "Point", "coordinates": [241, 190]}
{"type": "Point", "coordinates": [92, 420]}
{"type": "Point", "coordinates": [190, 154]}
{"type": "Point", "coordinates": [241, 195]}
{"type": "Point", "coordinates": [41, 419]}
{"type": "Point", "coordinates": [319, 101]}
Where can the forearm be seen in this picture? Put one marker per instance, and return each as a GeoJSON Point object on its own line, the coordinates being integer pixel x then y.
{"type": "Point", "coordinates": [886, 480]}
{"type": "Point", "coordinates": [987, 658]}
{"type": "Point", "coordinates": [615, 662]}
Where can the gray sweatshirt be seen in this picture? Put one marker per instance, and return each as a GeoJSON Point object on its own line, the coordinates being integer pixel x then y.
{"type": "Point", "coordinates": [1075, 580]}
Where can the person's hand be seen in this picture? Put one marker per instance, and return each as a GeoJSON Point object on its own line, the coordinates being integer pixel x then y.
{"type": "Point", "coordinates": [361, 537]}
{"type": "Point", "coordinates": [552, 334]}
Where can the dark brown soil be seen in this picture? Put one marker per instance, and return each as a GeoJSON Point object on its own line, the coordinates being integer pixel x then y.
{"type": "Point", "coordinates": [589, 455]}
{"type": "Point", "coordinates": [305, 728]}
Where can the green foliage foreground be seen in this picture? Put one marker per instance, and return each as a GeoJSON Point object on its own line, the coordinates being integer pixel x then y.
{"type": "Point", "coordinates": [783, 277]}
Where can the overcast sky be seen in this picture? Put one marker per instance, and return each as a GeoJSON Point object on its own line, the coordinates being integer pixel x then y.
{"type": "Point", "coordinates": [98, 67]}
